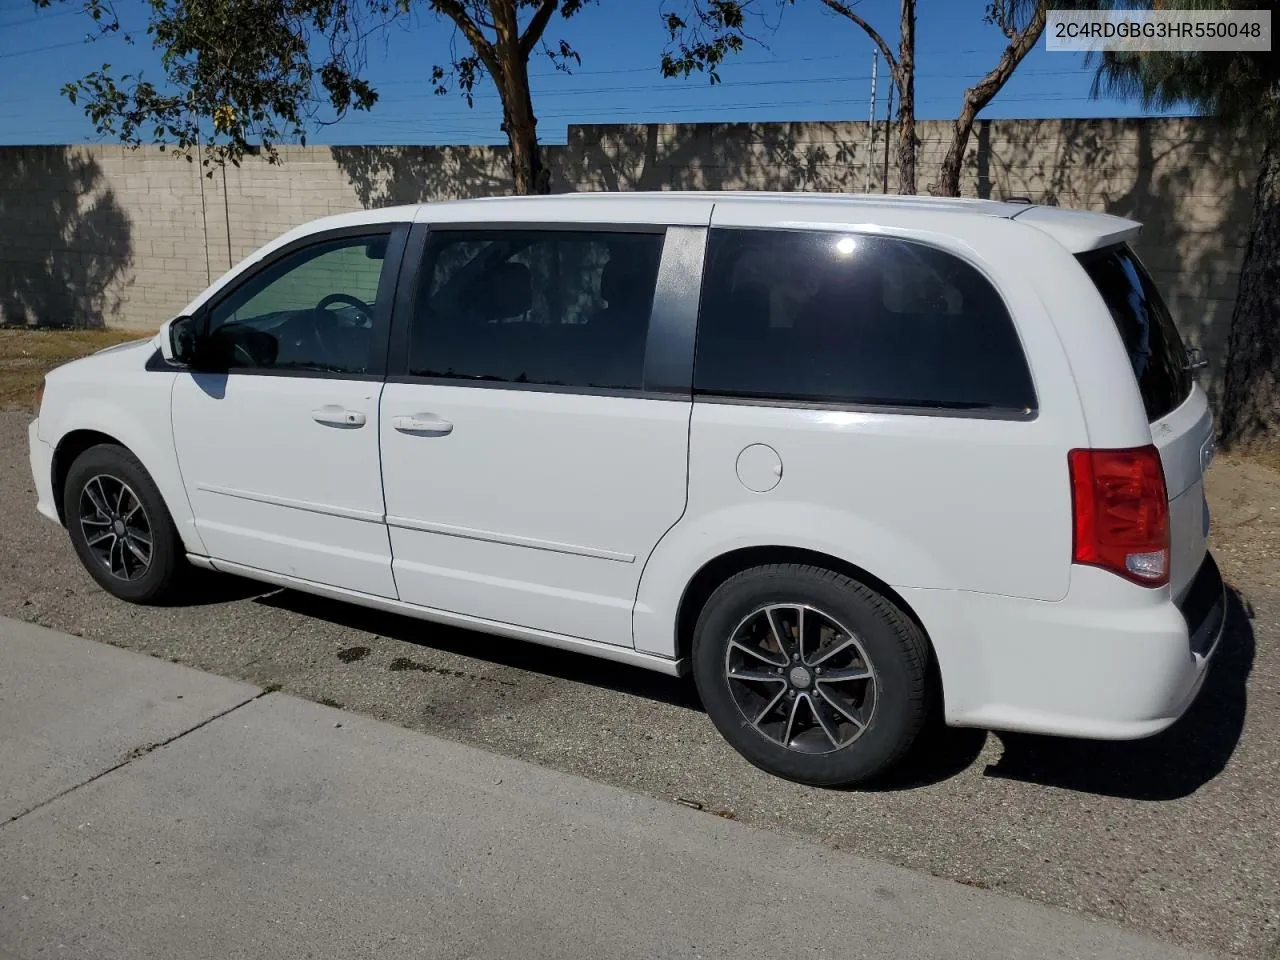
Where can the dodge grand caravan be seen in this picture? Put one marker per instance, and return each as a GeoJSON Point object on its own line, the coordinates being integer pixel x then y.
{"type": "Point", "coordinates": [847, 459]}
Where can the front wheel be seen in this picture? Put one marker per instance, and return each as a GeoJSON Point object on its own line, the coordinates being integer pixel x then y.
{"type": "Point", "coordinates": [120, 527]}
{"type": "Point", "coordinates": [811, 675]}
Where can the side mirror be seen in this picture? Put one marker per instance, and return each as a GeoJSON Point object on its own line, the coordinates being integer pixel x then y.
{"type": "Point", "coordinates": [177, 340]}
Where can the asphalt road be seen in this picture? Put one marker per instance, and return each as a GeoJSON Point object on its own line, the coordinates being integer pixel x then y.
{"type": "Point", "coordinates": [1178, 835]}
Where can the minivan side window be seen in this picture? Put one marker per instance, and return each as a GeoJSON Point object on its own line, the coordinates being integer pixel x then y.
{"type": "Point", "coordinates": [312, 309]}
{"type": "Point", "coordinates": [551, 307]}
{"type": "Point", "coordinates": [1156, 351]}
{"type": "Point", "coordinates": [854, 319]}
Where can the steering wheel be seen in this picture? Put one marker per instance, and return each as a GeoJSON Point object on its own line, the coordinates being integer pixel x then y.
{"type": "Point", "coordinates": [350, 301]}
{"type": "Point", "coordinates": [325, 325]}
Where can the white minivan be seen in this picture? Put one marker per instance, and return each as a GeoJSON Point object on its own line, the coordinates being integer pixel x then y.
{"type": "Point", "coordinates": [847, 459]}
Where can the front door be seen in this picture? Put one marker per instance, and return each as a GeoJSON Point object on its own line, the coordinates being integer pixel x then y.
{"type": "Point", "coordinates": [279, 454]}
{"type": "Point", "coordinates": [530, 465]}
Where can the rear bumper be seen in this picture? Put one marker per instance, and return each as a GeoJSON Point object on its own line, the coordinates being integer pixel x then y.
{"type": "Point", "coordinates": [1204, 608]}
{"type": "Point", "coordinates": [41, 455]}
{"type": "Point", "coordinates": [1111, 661]}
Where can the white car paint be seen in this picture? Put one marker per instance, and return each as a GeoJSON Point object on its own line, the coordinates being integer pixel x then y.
{"type": "Point", "coordinates": [109, 393]}
{"type": "Point", "coordinates": [275, 484]}
{"type": "Point", "coordinates": [540, 513]}
{"type": "Point", "coordinates": [580, 521]}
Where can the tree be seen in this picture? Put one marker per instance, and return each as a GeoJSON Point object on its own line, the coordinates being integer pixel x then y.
{"type": "Point", "coordinates": [902, 69]}
{"type": "Point", "coordinates": [1241, 89]}
{"type": "Point", "coordinates": [710, 30]}
{"type": "Point", "coordinates": [1006, 14]}
{"type": "Point", "coordinates": [245, 74]}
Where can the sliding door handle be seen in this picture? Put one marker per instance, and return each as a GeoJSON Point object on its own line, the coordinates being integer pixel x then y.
{"type": "Point", "coordinates": [423, 425]}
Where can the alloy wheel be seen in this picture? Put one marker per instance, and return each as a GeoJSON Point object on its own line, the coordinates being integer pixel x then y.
{"type": "Point", "coordinates": [801, 678]}
{"type": "Point", "coordinates": [116, 527]}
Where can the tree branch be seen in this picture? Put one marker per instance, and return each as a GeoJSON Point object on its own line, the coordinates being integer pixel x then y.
{"type": "Point", "coordinates": [845, 10]}
{"type": "Point", "coordinates": [1020, 44]}
{"type": "Point", "coordinates": [1001, 14]}
{"type": "Point", "coordinates": [982, 93]}
{"type": "Point", "coordinates": [537, 25]}
{"type": "Point", "coordinates": [455, 11]}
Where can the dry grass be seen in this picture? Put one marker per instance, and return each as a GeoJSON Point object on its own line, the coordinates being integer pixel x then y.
{"type": "Point", "coordinates": [1271, 459]}
{"type": "Point", "coordinates": [27, 355]}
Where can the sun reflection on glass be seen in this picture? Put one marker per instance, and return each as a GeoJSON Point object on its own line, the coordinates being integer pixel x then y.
{"type": "Point", "coordinates": [845, 246]}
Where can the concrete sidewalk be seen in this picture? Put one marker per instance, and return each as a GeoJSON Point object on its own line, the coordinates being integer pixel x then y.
{"type": "Point", "coordinates": [149, 810]}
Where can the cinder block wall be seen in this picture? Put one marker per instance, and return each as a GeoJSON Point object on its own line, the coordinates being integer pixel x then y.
{"type": "Point", "coordinates": [107, 235]}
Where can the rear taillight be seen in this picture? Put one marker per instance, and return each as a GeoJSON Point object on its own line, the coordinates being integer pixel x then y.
{"type": "Point", "coordinates": [1121, 511]}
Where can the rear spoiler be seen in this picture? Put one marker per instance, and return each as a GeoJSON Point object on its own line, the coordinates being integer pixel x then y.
{"type": "Point", "coordinates": [1079, 230]}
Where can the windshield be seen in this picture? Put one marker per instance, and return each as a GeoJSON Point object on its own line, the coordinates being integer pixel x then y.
{"type": "Point", "coordinates": [1156, 351]}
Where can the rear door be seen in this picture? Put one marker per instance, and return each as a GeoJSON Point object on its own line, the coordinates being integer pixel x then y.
{"type": "Point", "coordinates": [535, 427]}
{"type": "Point", "coordinates": [1181, 423]}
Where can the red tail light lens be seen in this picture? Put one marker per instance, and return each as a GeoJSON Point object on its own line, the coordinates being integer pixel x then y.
{"type": "Point", "coordinates": [1121, 510]}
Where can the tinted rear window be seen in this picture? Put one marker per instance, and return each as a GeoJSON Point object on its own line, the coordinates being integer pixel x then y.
{"type": "Point", "coordinates": [854, 319]}
{"type": "Point", "coordinates": [1156, 351]}
{"type": "Point", "coordinates": [562, 308]}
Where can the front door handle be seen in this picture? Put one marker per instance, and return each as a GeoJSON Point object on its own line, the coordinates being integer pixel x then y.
{"type": "Point", "coordinates": [423, 424]}
{"type": "Point", "coordinates": [333, 415]}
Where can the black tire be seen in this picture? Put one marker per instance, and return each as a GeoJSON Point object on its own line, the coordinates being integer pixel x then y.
{"type": "Point", "coordinates": [894, 646]}
{"type": "Point", "coordinates": [163, 573]}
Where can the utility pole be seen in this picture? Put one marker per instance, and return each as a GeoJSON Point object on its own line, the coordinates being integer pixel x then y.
{"type": "Point", "coordinates": [888, 121]}
{"type": "Point", "coordinates": [871, 125]}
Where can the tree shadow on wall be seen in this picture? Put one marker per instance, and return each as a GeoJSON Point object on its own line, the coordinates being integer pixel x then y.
{"type": "Point", "coordinates": [810, 156]}
{"type": "Point", "coordinates": [781, 156]}
{"type": "Point", "coordinates": [1188, 181]}
{"type": "Point", "coordinates": [391, 175]}
{"type": "Point", "coordinates": [64, 239]}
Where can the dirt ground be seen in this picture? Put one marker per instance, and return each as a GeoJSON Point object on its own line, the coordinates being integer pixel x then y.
{"type": "Point", "coordinates": [1244, 497]}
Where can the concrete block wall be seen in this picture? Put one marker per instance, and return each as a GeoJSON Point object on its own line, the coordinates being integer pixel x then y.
{"type": "Point", "coordinates": [104, 234]}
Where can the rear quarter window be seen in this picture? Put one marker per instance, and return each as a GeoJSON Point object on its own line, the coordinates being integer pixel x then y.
{"type": "Point", "coordinates": [853, 319]}
{"type": "Point", "coordinates": [1156, 351]}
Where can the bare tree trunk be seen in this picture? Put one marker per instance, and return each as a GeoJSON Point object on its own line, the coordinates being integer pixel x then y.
{"type": "Point", "coordinates": [903, 70]}
{"type": "Point", "coordinates": [949, 174]}
{"type": "Point", "coordinates": [1250, 415]}
{"type": "Point", "coordinates": [905, 77]}
{"type": "Point", "coordinates": [511, 52]}
{"type": "Point", "coordinates": [979, 95]}
{"type": "Point", "coordinates": [527, 173]}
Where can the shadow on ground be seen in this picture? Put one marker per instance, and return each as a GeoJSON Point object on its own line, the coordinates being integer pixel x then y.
{"type": "Point", "coordinates": [204, 588]}
{"type": "Point", "coordinates": [1167, 766]}
{"type": "Point", "coordinates": [517, 654]}
{"type": "Point", "coordinates": [1170, 765]}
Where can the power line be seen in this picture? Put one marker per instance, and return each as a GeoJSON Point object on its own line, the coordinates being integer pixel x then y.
{"type": "Point", "coordinates": [38, 18]}
{"type": "Point", "coordinates": [424, 95]}
{"type": "Point", "coordinates": [443, 137]}
{"type": "Point", "coordinates": [53, 46]}
{"type": "Point", "coordinates": [684, 106]}
{"type": "Point", "coordinates": [669, 83]}
{"type": "Point", "coordinates": [86, 39]}
{"type": "Point", "coordinates": [540, 96]}
{"type": "Point", "coordinates": [650, 69]}
{"type": "Point", "coordinates": [465, 123]}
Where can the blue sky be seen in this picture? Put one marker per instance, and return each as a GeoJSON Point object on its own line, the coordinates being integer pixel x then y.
{"type": "Point", "coordinates": [814, 66]}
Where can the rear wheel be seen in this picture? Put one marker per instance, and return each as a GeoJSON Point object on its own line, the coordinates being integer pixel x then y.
{"type": "Point", "coordinates": [120, 527]}
{"type": "Point", "coordinates": [811, 675]}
